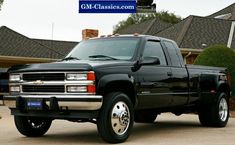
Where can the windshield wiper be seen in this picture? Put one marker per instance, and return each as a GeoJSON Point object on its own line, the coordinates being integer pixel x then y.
{"type": "Point", "coordinates": [70, 58]}
{"type": "Point", "coordinates": [102, 56]}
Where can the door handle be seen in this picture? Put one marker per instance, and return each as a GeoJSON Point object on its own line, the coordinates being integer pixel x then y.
{"type": "Point", "coordinates": [169, 74]}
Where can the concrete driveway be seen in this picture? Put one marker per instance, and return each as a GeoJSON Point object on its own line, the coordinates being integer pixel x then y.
{"type": "Point", "coordinates": [168, 130]}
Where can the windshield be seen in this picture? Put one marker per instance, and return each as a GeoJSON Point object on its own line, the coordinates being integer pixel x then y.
{"type": "Point", "coordinates": [108, 49]}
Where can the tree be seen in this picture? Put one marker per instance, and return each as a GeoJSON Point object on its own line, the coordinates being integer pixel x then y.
{"type": "Point", "coordinates": [219, 56]}
{"type": "Point", "coordinates": [139, 18]}
{"type": "Point", "coordinates": [1, 2]}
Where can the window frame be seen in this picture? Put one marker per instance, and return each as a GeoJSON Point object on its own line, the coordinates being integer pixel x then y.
{"type": "Point", "coordinates": [100, 39]}
{"type": "Point", "coordinates": [162, 47]}
{"type": "Point", "coordinates": [167, 49]}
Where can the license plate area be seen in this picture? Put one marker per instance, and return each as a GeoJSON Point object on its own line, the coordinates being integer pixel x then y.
{"type": "Point", "coordinates": [34, 104]}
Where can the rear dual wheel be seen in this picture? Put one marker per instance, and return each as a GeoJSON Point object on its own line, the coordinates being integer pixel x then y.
{"type": "Point", "coordinates": [217, 114]}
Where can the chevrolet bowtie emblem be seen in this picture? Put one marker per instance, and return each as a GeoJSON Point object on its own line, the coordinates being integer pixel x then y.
{"type": "Point", "coordinates": [38, 82]}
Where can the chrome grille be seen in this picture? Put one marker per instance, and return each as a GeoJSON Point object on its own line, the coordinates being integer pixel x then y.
{"type": "Point", "coordinates": [44, 77]}
{"type": "Point", "coordinates": [49, 88]}
{"type": "Point", "coordinates": [48, 83]}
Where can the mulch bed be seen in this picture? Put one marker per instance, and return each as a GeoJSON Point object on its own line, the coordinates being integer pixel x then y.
{"type": "Point", "coordinates": [232, 103]}
{"type": "Point", "coordinates": [232, 107]}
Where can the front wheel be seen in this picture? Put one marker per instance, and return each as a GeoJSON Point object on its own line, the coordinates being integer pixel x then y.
{"type": "Point", "coordinates": [215, 115]}
{"type": "Point", "coordinates": [115, 118]}
{"type": "Point", "coordinates": [32, 126]}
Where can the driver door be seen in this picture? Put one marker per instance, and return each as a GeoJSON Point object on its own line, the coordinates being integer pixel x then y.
{"type": "Point", "coordinates": [154, 80]}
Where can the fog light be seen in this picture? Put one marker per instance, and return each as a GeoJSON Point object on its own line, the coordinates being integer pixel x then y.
{"type": "Point", "coordinates": [14, 88]}
{"type": "Point", "coordinates": [76, 89]}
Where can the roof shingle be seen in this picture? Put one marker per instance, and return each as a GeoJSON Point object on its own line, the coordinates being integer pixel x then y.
{"type": "Point", "coordinates": [227, 10]}
{"type": "Point", "coordinates": [173, 31]}
{"type": "Point", "coordinates": [148, 27]}
{"type": "Point", "coordinates": [15, 44]}
{"type": "Point", "coordinates": [198, 31]}
{"type": "Point", "coordinates": [63, 47]}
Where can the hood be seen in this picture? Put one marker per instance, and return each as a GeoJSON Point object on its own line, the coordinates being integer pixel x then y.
{"type": "Point", "coordinates": [80, 65]}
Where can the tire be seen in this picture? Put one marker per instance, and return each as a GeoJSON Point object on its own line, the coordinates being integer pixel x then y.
{"type": "Point", "coordinates": [32, 126]}
{"type": "Point", "coordinates": [144, 117]}
{"type": "Point", "coordinates": [215, 115]}
{"type": "Point", "coordinates": [115, 119]}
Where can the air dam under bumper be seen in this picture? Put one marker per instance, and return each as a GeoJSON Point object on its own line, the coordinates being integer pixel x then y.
{"type": "Point", "coordinates": [70, 102]}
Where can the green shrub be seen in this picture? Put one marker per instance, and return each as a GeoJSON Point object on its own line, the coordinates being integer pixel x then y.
{"type": "Point", "coordinates": [219, 56]}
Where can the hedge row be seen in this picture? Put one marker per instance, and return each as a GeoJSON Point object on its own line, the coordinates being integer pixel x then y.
{"type": "Point", "coordinates": [219, 56]}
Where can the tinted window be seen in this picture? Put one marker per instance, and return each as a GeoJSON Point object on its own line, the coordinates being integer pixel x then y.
{"type": "Point", "coordinates": [173, 53]}
{"type": "Point", "coordinates": [119, 48]}
{"type": "Point", "coordinates": [154, 49]}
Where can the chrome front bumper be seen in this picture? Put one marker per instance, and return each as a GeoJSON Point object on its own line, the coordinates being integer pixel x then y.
{"type": "Point", "coordinates": [71, 102]}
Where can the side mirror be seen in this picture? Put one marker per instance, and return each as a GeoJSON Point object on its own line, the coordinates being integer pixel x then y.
{"type": "Point", "coordinates": [145, 61]}
{"type": "Point", "coordinates": [150, 61]}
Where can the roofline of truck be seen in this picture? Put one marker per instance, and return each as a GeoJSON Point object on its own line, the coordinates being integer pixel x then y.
{"type": "Point", "coordinates": [128, 35]}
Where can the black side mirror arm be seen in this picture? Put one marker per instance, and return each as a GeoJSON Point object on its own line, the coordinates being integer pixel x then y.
{"type": "Point", "coordinates": [136, 66]}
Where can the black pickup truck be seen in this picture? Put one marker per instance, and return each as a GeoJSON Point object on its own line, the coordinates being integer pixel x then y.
{"type": "Point", "coordinates": [113, 81]}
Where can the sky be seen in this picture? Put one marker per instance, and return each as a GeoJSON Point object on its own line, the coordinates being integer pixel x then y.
{"type": "Point", "coordinates": [60, 20]}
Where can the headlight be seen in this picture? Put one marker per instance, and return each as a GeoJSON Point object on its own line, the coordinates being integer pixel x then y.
{"type": "Point", "coordinates": [75, 76]}
{"type": "Point", "coordinates": [14, 88]}
{"type": "Point", "coordinates": [14, 77]}
{"type": "Point", "coordinates": [76, 89]}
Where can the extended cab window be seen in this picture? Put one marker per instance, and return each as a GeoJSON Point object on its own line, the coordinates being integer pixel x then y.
{"type": "Point", "coordinates": [154, 49]}
{"type": "Point", "coordinates": [173, 54]}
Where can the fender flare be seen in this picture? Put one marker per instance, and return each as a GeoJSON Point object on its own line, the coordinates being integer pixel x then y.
{"type": "Point", "coordinates": [224, 85]}
{"type": "Point", "coordinates": [112, 78]}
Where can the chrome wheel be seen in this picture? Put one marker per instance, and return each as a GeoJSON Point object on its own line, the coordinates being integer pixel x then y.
{"type": "Point", "coordinates": [120, 118]}
{"type": "Point", "coordinates": [32, 126]}
{"type": "Point", "coordinates": [116, 117]}
{"type": "Point", "coordinates": [223, 109]}
{"type": "Point", "coordinates": [215, 114]}
{"type": "Point", "coordinates": [36, 123]}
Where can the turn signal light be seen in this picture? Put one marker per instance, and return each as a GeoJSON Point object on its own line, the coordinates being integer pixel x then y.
{"type": "Point", "coordinates": [91, 89]}
{"type": "Point", "coordinates": [91, 76]}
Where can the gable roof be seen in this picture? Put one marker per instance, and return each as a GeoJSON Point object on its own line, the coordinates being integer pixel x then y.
{"type": "Point", "coordinates": [13, 43]}
{"type": "Point", "coordinates": [174, 31]}
{"type": "Point", "coordinates": [230, 10]}
{"type": "Point", "coordinates": [148, 27]}
{"type": "Point", "coordinates": [63, 47]}
{"type": "Point", "coordinates": [194, 31]}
